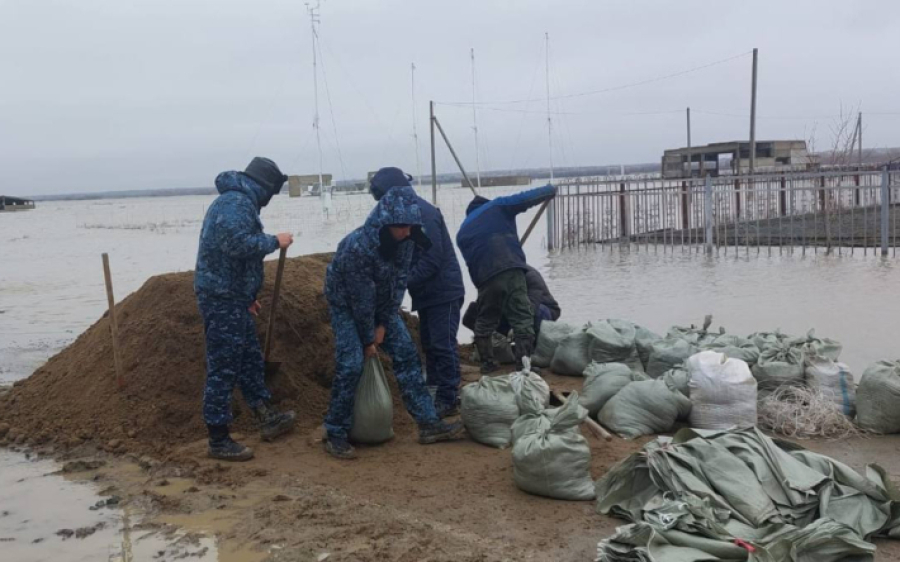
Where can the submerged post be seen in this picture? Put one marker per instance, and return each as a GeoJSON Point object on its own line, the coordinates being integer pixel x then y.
{"type": "Point", "coordinates": [885, 209]}
{"type": "Point", "coordinates": [707, 214]}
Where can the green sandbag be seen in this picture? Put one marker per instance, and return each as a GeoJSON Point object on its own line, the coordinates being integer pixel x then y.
{"type": "Point", "coordinates": [551, 457]}
{"type": "Point", "coordinates": [644, 408]}
{"type": "Point", "coordinates": [780, 364]}
{"type": "Point", "coordinates": [734, 347]}
{"type": "Point", "coordinates": [821, 347]}
{"type": "Point", "coordinates": [573, 355]}
{"type": "Point", "coordinates": [611, 340]}
{"type": "Point", "coordinates": [643, 342]}
{"type": "Point", "coordinates": [668, 354]}
{"type": "Point", "coordinates": [373, 407]}
{"type": "Point", "coordinates": [551, 334]}
{"type": "Point", "coordinates": [490, 406]}
{"type": "Point", "coordinates": [878, 398]}
{"type": "Point", "coordinates": [602, 381]}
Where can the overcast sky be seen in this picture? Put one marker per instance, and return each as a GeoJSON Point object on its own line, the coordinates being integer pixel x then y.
{"type": "Point", "coordinates": [126, 94]}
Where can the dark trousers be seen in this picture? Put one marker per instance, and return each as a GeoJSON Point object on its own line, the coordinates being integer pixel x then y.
{"type": "Point", "coordinates": [438, 326]}
{"type": "Point", "coordinates": [505, 296]}
{"type": "Point", "coordinates": [233, 357]}
{"type": "Point", "coordinates": [541, 314]}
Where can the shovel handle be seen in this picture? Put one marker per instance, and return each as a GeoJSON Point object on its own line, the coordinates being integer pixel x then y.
{"type": "Point", "coordinates": [271, 328]}
{"type": "Point", "coordinates": [595, 427]}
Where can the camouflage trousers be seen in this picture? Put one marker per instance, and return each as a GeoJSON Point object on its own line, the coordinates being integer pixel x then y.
{"type": "Point", "coordinates": [233, 356]}
{"type": "Point", "coordinates": [348, 356]}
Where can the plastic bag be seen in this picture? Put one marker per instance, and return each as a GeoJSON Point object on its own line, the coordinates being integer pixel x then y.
{"type": "Point", "coordinates": [878, 397]}
{"type": "Point", "coordinates": [551, 334]}
{"type": "Point", "coordinates": [550, 455]}
{"type": "Point", "coordinates": [373, 407]}
{"type": "Point", "coordinates": [723, 392]}
{"type": "Point", "coordinates": [490, 406]}
{"type": "Point", "coordinates": [602, 381]}
{"type": "Point", "coordinates": [644, 408]}
{"type": "Point", "coordinates": [834, 380]}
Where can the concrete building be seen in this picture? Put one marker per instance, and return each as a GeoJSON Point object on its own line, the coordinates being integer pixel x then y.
{"type": "Point", "coordinates": [307, 185]}
{"type": "Point", "coordinates": [732, 158]}
{"type": "Point", "coordinates": [10, 204]}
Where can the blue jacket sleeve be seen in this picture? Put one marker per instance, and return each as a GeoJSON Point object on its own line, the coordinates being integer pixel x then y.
{"type": "Point", "coordinates": [428, 263]}
{"type": "Point", "coordinates": [402, 262]}
{"type": "Point", "coordinates": [362, 295]}
{"type": "Point", "coordinates": [521, 202]}
{"type": "Point", "coordinates": [238, 235]}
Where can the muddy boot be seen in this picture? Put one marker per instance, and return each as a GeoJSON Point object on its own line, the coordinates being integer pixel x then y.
{"type": "Point", "coordinates": [273, 423]}
{"type": "Point", "coordinates": [440, 431]}
{"type": "Point", "coordinates": [486, 353]}
{"type": "Point", "coordinates": [339, 448]}
{"type": "Point", "coordinates": [524, 347]}
{"type": "Point", "coordinates": [224, 448]}
{"type": "Point", "coordinates": [446, 410]}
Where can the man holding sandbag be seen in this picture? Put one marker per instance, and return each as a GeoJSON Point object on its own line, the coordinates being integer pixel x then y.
{"type": "Point", "coordinates": [364, 286]}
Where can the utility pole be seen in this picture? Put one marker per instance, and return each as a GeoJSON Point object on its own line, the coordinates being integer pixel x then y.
{"type": "Point", "coordinates": [475, 123]}
{"type": "Point", "coordinates": [753, 117]}
{"type": "Point", "coordinates": [690, 157]}
{"type": "Point", "coordinates": [313, 21]}
{"type": "Point", "coordinates": [415, 123]}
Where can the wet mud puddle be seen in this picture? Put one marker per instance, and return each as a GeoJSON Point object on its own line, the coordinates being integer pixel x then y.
{"type": "Point", "coordinates": [50, 515]}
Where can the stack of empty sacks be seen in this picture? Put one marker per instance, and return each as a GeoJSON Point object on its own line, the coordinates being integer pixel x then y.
{"type": "Point", "coordinates": [550, 455]}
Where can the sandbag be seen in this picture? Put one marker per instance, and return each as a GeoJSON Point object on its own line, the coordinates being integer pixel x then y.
{"type": "Point", "coordinates": [551, 457]}
{"type": "Point", "coordinates": [765, 340]}
{"type": "Point", "coordinates": [602, 381]}
{"type": "Point", "coordinates": [723, 392]}
{"type": "Point", "coordinates": [822, 347]}
{"type": "Point", "coordinates": [490, 406]}
{"type": "Point", "coordinates": [833, 380]}
{"type": "Point", "coordinates": [503, 352]}
{"type": "Point", "coordinates": [573, 355]}
{"type": "Point", "coordinates": [667, 354]}
{"type": "Point", "coordinates": [373, 407]}
{"type": "Point", "coordinates": [678, 379]}
{"type": "Point", "coordinates": [643, 343]}
{"type": "Point", "coordinates": [734, 347]}
{"type": "Point", "coordinates": [780, 364]}
{"type": "Point", "coordinates": [611, 340]}
{"type": "Point", "coordinates": [644, 408]}
{"type": "Point", "coordinates": [878, 398]}
{"type": "Point", "coordinates": [551, 334]}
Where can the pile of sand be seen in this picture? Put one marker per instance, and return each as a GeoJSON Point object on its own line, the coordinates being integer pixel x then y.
{"type": "Point", "coordinates": [74, 397]}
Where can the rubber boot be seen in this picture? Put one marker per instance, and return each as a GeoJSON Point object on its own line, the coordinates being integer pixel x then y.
{"type": "Point", "coordinates": [486, 353]}
{"type": "Point", "coordinates": [273, 423]}
{"type": "Point", "coordinates": [224, 448]}
{"type": "Point", "coordinates": [440, 431]}
{"type": "Point", "coordinates": [340, 448]}
{"type": "Point", "coordinates": [524, 347]}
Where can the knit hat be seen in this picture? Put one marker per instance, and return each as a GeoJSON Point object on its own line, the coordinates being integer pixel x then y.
{"type": "Point", "coordinates": [386, 178]}
{"type": "Point", "coordinates": [266, 173]}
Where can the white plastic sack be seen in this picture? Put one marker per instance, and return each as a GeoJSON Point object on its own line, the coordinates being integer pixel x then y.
{"type": "Point", "coordinates": [644, 408]}
{"type": "Point", "coordinates": [834, 380]}
{"type": "Point", "coordinates": [780, 364]}
{"type": "Point", "coordinates": [548, 339]}
{"type": "Point", "coordinates": [611, 340]}
{"type": "Point", "coordinates": [878, 398]}
{"type": "Point", "coordinates": [602, 381]}
{"type": "Point", "coordinates": [551, 457]}
{"type": "Point", "coordinates": [723, 392]}
{"type": "Point", "coordinates": [668, 354]}
{"type": "Point", "coordinates": [373, 407]}
{"type": "Point", "coordinates": [573, 354]}
{"type": "Point", "coordinates": [490, 406]}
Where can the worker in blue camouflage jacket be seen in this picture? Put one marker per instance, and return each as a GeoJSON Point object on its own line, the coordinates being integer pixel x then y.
{"type": "Point", "coordinates": [364, 286]}
{"type": "Point", "coordinates": [436, 286]}
{"type": "Point", "coordinates": [228, 277]}
{"type": "Point", "coordinates": [489, 242]}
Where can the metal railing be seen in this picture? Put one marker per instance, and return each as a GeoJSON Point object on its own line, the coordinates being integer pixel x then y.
{"type": "Point", "coordinates": [833, 210]}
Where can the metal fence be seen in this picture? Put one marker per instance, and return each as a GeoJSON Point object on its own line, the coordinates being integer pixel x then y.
{"type": "Point", "coordinates": [823, 211]}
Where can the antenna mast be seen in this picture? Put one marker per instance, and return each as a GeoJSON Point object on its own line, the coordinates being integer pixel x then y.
{"type": "Point", "coordinates": [549, 120]}
{"type": "Point", "coordinates": [415, 123]}
{"type": "Point", "coordinates": [314, 21]}
{"type": "Point", "coordinates": [475, 122]}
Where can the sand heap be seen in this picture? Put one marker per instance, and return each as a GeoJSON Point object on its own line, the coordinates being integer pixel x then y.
{"type": "Point", "coordinates": [74, 398]}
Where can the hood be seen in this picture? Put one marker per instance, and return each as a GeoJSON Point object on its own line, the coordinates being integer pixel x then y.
{"type": "Point", "coordinates": [478, 201]}
{"type": "Point", "coordinates": [237, 181]}
{"type": "Point", "coordinates": [386, 178]}
{"type": "Point", "coordinates": [398, 206]}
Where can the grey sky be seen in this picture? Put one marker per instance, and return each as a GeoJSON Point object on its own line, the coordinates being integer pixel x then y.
{"type": "Point", "coordinates": [116, 94]}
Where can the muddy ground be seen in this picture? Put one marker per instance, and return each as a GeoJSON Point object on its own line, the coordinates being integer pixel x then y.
{"type": "Point", "coordinates": [399, 501]}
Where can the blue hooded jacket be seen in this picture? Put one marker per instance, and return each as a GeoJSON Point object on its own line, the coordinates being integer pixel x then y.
{"type": "Point", "coordinates": [489, 239]}
{"type": "Point", "coordinates": [435, 277]}
{"type": "Point", "coordinates": [232, 242]}
{"type": "Point", "coordinates": [360, 279]}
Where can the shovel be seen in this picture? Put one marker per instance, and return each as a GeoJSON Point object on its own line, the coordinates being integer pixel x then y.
{"type": "Point", "coordinates": [272, 367]}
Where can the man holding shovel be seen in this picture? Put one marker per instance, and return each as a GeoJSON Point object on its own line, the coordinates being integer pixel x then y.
{"type": "Point", "coordinates": [227, 280]}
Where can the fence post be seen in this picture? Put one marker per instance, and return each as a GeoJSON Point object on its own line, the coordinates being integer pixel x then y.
{"type": "Point", "coordinates": [885, 209]}
{"type": "Point", "coordinates": [782, 198]}
{"type": "Point", "coordinates": [822, 194]}
{"type": "Point", "coordinates": [856, 196]}
{"type": "Point", "coordinates": [624, 225]}
{"type": "Point", "coordinates": [685, 212]}
{"type": "Point", "coordinates": [707, 214]}
{"type": "Point", "coordinates": [737, 200]}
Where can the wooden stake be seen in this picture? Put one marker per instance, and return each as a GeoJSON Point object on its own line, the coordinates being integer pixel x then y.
{"type": "Point", "coordinates": [595, 427]}
{"type": "Point", "coordinates": [113, 325]}
{"type": "Point", "coordinates": [277, 290]}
